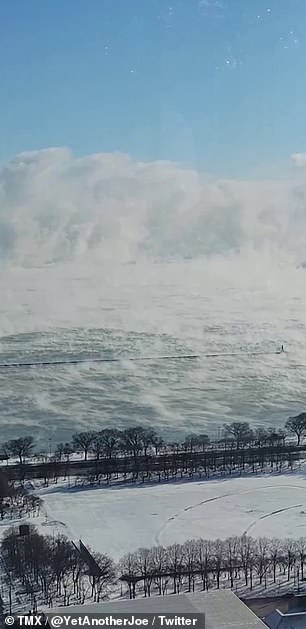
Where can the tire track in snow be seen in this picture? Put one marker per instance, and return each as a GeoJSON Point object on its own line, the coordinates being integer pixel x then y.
{"type": "Point", "coordinates": [269, 515]}
{"type": "Point", "coordinates": [233, 495]}
{"type": "Point", "coordinates": [166, 524]}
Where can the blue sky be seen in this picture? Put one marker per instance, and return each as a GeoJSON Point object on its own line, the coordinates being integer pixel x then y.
{"type": "Point", "coordinates": [220, 86]}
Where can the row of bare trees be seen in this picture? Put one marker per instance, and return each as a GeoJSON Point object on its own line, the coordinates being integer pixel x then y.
{"type": "Point", "coordinates": [138, 441]}
{"type": "Point", "coordinates": [52, 570]}
{"type": "Point", "coordinates": [111, 441]}
{"type": "Point", "coordinates": [209, 564]}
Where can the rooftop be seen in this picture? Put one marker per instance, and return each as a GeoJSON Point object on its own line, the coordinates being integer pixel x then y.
{"type": "Point", "coordinates": [290, 620]}
{"type": "Point", "coordinates": [222, 608]}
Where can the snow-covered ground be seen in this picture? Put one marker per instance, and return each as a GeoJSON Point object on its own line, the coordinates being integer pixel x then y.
{"type": "Point", "coordinates": [119, 520]}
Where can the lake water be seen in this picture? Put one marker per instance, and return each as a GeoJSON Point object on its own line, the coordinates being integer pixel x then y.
{"type": "Point", "coordinates": [235, 306]}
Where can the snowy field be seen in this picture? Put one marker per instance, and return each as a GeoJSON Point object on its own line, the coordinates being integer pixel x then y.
{"type": "Point", "coordinates": [119, 520]}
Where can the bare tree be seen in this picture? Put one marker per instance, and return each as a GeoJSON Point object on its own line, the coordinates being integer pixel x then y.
{"type": "Point", "coordinates": [144, 563]}
{"type": "Point", "coordinates": [133, 441]}
{"type": "Point", "coordinates": [109, 438]}
{"type": "Point", "coordinates": [83, 440]}
{"type": "Point", "coordinates": [262, 558]}
{"type": "Point", "coordinates": [218, 558]}
{"type": "Point", "coordinates": [159, 568]}
{"type": "Point", "coordinates": [68, 450]}
{"type": "Point", "coordinates": [289, 555]}
{"type": "Point", "coordinates": [282, 434]}
{"type": "Point", "coordinates": [158, 444]}
{"type": "Point", "coordinates": [62, 552]}
{"type": "Point", "coordinates": [240, 431]}
{"type": "Point", "coordinates": [275, 437]}
{"type": "Point", "coordinates": [275, 553]}
{"type": "Point", "coordinates": [59, 451]}
{"type": "Point", "coordinates": [190, 442]}
{"type": "Point", "coordinates": [297, 426]}
{"type": "Point", "coordinates": [206, 559]}
{"type": "Point", "coordinates": [301, 551]}
{"type": "Point", "coordinates": [175, 562]}
{"type": "Point", "coordinates": [103, 578]}
{"type": "Point", "coordinates": [190, 552]}
{"type": "Point", "coordinates": [7, 493]}
{"type": "Point", "coordinates": [194, 440]}
{"type": "Point", "coordinates": [231, 547]}
{"type": "Point", "coordinates": [21, 448]}
{"type": "Point", "coordinates": [260, 436]}
{"type": "Point", "coordinates": [149, 438]}
{"type": "Point", "coordinates": [246, 556]}
{"type": "Point", "coordinates": [128, 571]}
{"type": "Point", "coordinates": [96, 446]}
{"type": "Point", "coordinates": [203, 441]}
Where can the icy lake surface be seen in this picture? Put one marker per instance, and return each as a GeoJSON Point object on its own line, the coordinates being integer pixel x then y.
{"type": "Point", "coordinates": [133, 310]}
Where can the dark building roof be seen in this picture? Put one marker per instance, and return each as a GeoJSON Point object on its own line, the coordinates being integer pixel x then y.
{"type": "Point", "coordinates": [222, 608]}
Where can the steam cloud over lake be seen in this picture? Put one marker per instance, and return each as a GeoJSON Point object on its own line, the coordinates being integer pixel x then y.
{"type": "Point", "coordinates": [56, 207]}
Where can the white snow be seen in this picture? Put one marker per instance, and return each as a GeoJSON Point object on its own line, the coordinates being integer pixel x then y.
{"type": "Point", "coordinates": [119, 520]}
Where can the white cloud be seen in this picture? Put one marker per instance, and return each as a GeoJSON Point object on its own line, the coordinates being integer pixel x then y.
{"type": "Point", "coordinates": [299, 159]}
{"type": "Point", "coordinates": [55, 207]}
